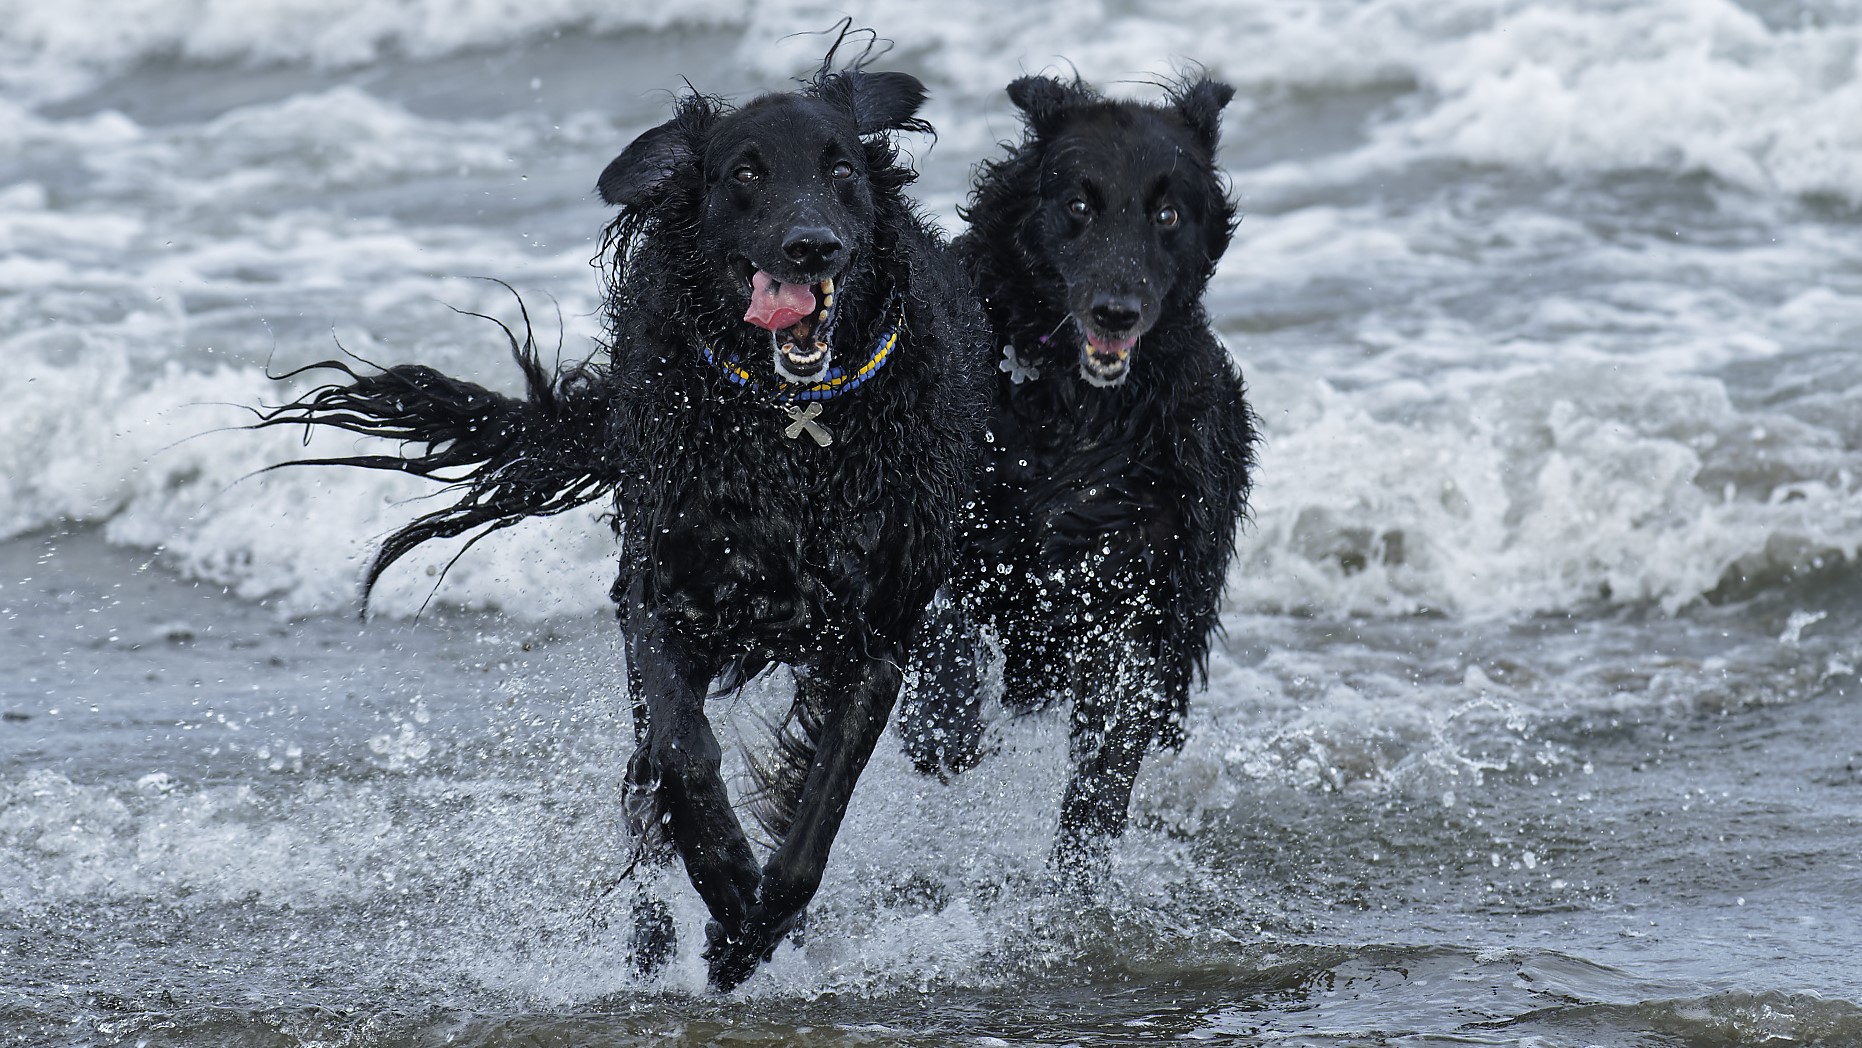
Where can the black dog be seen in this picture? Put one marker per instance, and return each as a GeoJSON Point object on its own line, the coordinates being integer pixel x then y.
{"type": "Point", "coordinates": [1120, 450]}
{"type": "Point", "coordinates": [796, 410]}
{"type": "Point", "coordinates": [789, 418]}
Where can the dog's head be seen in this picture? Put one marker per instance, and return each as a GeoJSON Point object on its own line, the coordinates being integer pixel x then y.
{"type": "Point", "coordinates": [1128, 213]}
{"type": "Point", "coordinates": [780, 197]}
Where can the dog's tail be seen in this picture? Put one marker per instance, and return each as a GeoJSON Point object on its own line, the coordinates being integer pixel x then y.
{"type": "Point", "coordinates": [779, 773]}
{"type": "Point", "coordinates": [506, 458]}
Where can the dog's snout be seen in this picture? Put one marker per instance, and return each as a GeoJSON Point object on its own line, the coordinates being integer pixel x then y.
{"type": "Point", "coordinates": [1113, 313]}
{"type": "Point", "coordinates": [811, 246]}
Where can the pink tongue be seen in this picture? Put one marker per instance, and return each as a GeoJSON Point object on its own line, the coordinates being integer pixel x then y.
{"type": "Point", "coordinates": [776, 305]}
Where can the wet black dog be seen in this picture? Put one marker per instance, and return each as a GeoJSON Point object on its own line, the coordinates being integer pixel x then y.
{"type": "Point", "coordinates": [789, 418]}
{"type": "Point", "coordinates": [1120, 449]}
{"type": "Point", "coordinates": [796, 407]}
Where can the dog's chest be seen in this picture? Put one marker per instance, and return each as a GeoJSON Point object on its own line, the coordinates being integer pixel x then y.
{"type": "Point", "coordinates": [1079, 467]}
{"type": "Point", "coordinates": [741, 476]}
{"type": "Point", "coordinates": [752, 531]}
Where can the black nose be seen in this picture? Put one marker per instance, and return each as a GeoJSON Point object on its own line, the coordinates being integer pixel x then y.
{"type": "Point", "coordinates": [1115, 313]}
{"type": "Point", "coordinates": [811, 246]}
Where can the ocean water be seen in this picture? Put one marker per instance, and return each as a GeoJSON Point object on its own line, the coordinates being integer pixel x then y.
{"type": "Point", "coordinates": [1532, 722]}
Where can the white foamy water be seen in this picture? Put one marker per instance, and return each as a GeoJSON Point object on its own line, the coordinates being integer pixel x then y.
{"type": "Point", "coordinates": [1492, 369]}
{"type": "Point", "coordinates": [1537, 668]}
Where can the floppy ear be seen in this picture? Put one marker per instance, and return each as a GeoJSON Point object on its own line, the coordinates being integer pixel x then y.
{"type": "Point", "coordinates": [1201, 105]}
{"type": "Point", "coordinates": [646, 162]}
{"type": "Point", "coordinates": [879, 101]}
{"type": "Point", "coordinates": [1043, 99]}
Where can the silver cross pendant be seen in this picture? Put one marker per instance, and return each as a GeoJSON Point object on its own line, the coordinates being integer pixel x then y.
{"type": "Point", "coordinates": [802, 420]}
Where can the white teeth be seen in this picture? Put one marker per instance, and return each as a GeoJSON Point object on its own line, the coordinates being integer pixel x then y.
{"type": "Point", "coordinates": [1105, 369]}
{"type": "Point", "coordinates": [827, 286]}
{"type": "Point", "coordinates": [1103, 377]}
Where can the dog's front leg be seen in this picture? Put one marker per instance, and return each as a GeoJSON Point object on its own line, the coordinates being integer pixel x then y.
{"type": "Point", "coordinates": [679, 759]}
{"type": "Point", "coordinates": [1111, 734]}
{"type": "Point", "coordinates": [941, 717]}
{"type": "Point", "coordinates": [793, 872]}
{"type": "Point", "coordinates": [644, 805]}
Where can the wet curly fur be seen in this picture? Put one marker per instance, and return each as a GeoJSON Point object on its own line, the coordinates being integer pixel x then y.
{"type": "Point", "coordinates": [1121, 445]}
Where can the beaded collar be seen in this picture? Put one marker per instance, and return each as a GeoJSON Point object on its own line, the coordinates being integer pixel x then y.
{"type": "Point", "coordinates": [836, 382]}
{"type": "Point", "coordinates": [788, 396]}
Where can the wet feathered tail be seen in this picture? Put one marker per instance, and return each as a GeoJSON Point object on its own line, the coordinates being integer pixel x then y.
{"type": "Point", "coordinates": [780, 773]}
{"type": "Point", "coordinates": [507, 458]}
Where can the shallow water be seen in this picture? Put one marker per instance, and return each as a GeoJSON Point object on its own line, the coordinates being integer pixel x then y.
{"type": "Point", "coordinates": [1533, 722]}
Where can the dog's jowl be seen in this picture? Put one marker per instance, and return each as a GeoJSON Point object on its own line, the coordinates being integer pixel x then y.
{"type": "Point", "coordinates": [1120, 445]}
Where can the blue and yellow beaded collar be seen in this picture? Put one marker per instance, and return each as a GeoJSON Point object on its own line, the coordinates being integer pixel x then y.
{"type": "Point", "coordinates": [837, 380]}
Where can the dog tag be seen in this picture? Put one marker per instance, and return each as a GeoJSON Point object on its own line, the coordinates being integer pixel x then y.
{"type": "Point", "coordinates": [802, 420]}
{"type": "Point", "coordinates": [1013, 366]}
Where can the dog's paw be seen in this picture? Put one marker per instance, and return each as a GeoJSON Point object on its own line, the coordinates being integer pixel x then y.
{"type": "Point", "coordinates": [653, 940]}
{"type": "Point", "coordinates": [734, 957]}
{"type": "Point", "coordinates": [729, 962]}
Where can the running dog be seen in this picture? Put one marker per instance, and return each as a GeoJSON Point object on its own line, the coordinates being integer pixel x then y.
{"type": "Point", "coordinates": [789, 419]}
{"type": "Point", "coordinates": [1120, 447]}
{"type": "Point", "coordinates": [796, 411]}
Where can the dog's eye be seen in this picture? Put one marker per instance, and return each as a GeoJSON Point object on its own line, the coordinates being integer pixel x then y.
{"type": "Point", "coordinates": [1168, 217]}
{"type": "Point", "coordinates": [842, 170]}
{"type": "Point", "coordinates": [1079, 208]}
{"type": "Point", "coordinates": [745, 174]}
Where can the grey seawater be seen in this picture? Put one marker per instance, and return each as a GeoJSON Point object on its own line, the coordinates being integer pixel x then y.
{"type": "Point", "coordinates": [1534, 722]}
{"type": "Point", "coordinates": [226, 827]}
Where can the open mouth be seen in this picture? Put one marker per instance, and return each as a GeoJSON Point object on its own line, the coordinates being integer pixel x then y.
{"type": "Point", "coordinates": [800, 321]}
{"type": "Point", "coordinates": [1105, 361]}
